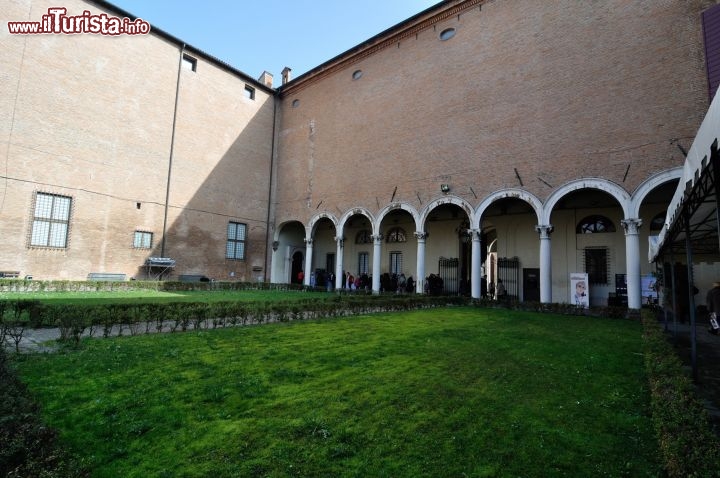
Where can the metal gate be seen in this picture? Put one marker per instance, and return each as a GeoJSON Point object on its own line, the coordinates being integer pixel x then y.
{"type": "Point", "coordinates": [449, 272]}
{"type": "Point", "coordinates": [508, 270]}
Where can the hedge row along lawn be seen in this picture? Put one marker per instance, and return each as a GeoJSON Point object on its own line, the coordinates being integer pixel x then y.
{"type": "Point", "coordinates": [146, 296]}
{"type": "Point", "coordinates": [439, 392]}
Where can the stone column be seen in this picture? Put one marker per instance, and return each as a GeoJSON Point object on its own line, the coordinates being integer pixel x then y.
{"type": "Point", "coordinates": [339, 278]}
{"type": "Point", "coordinates": [308, 261]}
{"type": "Point", "coordinates": [476, 267]}
{"type": "Point", "coordinates": [545, 263]}
{"type": "Point", "coordinates": [377, 252]}
{"type": "Point", "coordinates": [632, 260]}
{"type": "Point", "coordinates": [421, 236]}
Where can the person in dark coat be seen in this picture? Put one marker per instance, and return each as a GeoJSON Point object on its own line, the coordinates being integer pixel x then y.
{"type": "Point", "coordinates": [713, 299]}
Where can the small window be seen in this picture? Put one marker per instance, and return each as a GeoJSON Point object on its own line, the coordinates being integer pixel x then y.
{"type": "Point", "coordinates": [363, 237]}
{"type": "Point", "coordinates": [447, 34]}
{"type": "Point", "coordinates": [51, 220]}
{"type": "Point", "coordinates": [357, 74]}
{"type": "Point", "coordinates": [235, 248]}
{"type": "Point", "coordinates": [397, 234]}
{"type": "Point", "coordinates": [595, 225]}
{"type": "Point", "coordinates": [249, 92]}
{"type": "Point", "coordinates": [189, 63]}
{"type": "Point", "coordinates": [363, 263]}
{"type": "Point", "coordinates": [142, 240]}
{"type": "Point", "coordinates": [396, 262]}
{"type": "Point", "coordinates": [295, 103]}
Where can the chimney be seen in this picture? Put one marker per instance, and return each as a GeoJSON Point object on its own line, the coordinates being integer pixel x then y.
{"type": "Point", "coordinates": [266, 79]}
{"type": "Point", "coordinates": [286, 75]}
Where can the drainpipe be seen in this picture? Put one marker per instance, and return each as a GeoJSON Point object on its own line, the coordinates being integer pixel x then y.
{"type": "Point", "coordinates": [270, 188]}
{"type": "Point", "coordinates": [172, 150]}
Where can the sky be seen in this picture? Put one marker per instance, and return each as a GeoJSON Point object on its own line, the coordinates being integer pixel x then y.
{"type": "Point", "coordinates": [256, 36]}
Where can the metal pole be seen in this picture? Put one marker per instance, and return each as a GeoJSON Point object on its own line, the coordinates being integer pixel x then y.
{"type": "Point", "coordinates": [673, 294]}
{"type": "Point", "coordinates": [691, 296]}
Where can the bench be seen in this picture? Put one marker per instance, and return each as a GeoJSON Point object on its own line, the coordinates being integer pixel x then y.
{"type": "Point", "coordinates": [9, 274]}
{"type": "Point", "coordinates": [105, 276]}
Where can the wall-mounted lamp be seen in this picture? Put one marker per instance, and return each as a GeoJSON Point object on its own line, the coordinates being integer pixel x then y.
{"type": "Point", "coordinates": [445, 188]}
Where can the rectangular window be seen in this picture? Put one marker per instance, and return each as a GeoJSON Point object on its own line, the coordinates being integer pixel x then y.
{"type": "Point", "coordinates": [396, 262]}
{"type": "Point", "coordinates": [142, 240]}
{"type": "Point", "coordinates": [363, 263]}
{"type": "Point", "coordinates": [189, 63]}
{"type": "Point", "coordinates": [236, 241]}
{"type": "Point", "coordinates": [596, 265]}
{"type": "Point", "coordinates": [51, 221]}
{"type": "Point", "coordinates": [249, 92]}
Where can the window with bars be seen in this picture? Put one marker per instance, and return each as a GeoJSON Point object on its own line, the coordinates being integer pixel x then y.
{"type": "Point", "coordinates": [595, 225]}
{"type": "Point", "coordinates": [396, 234]}
{"type": "Point", "coordinates": [142, 240]}
{"type": "Point", "coordinates": [597, 265]}
{"type": "Point", "coordinates": [363, 237]}
{"type": "Point", "coordinates": [396, 262]}
{"type": "Point", "coordinates": [236, 233]}
{"type": "Point", "coordinates": [363, 263]}
{"type": "Point", "coordinates": [51, 221]}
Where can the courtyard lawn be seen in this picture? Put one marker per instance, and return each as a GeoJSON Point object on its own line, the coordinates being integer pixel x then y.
{"type": "Point", "coordinates": [440, 392]}
{"type": "Point", "coordinates": [147, 296]}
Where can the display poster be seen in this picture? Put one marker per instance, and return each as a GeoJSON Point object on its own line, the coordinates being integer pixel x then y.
{"type": "Point", "coordinates": [649, 289]}
{"type": "Point", "coordinates": [579, 290]}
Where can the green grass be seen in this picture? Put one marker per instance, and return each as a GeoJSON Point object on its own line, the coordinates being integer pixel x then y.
{"type": "Point", "coordinates": [441, 392]}
{"type": "Point", "coordinates": [145, 296]}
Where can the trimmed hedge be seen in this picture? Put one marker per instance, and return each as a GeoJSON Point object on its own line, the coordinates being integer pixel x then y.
{"type": "Point", "coordinates": [688, 445]}
{"type": "Point", "coordinates": [22, 285]}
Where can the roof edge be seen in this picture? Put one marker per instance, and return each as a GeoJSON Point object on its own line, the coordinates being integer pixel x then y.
{"type": "Point", "coordinates": [384, 39]}
{"type": "Point", "coordinates": [187, 47]}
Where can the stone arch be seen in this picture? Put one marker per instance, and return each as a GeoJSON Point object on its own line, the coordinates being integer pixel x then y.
{"type": "Point", "coordinates": [392, 207]}
{"type": "Point", "coordinates": [279, 227]}
{"type": "Point", "coordinates": [638, 196]}
{"type": "Point", "coordinates": [356, 211]}
{"type": "Point", "coordinates": [317, 218]}
{"type": "Point", "coordinates": [609, 187]}
{"type": "Point", "coordinates": [461, 203]}
{"type": "Point", "coordinates": [521, 194]}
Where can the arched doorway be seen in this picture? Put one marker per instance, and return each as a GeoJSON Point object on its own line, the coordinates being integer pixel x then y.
{"type": "Point", "coordinates": [298, 262]}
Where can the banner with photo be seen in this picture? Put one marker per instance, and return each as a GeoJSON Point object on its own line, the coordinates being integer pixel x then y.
{"type": "Point", "coordinates": [579, 289]}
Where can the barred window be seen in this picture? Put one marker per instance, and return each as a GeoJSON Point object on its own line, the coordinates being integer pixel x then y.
{"type": "Point", "coordinates": [597, 265]}
{"type": "Point", "coordinates": [236, 241]}
{"type": "Point", "coordinates": [595, 225]}
{"type": "Point", "coordinates": [142, 240]}
{"type": "Point", "coordinates": [51, 220]}
{"type": "Point", "coordinates": [397, 234]}
{"type": "Point", "coordinates": [363, 237]}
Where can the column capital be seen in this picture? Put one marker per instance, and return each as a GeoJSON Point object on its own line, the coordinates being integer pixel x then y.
{"type": "Point", "coordinates": [377, 238]}
{"type": "Point", "coordinates": [421, 235]}
{"type": "Point", "coordinates": [544, 230]}
{"type": "Point", "coordinates": [340, 240]}
{"type": "Point", "coordinates": [631, 225]}
{"type": "Point", "coordinates": [308, 242]}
